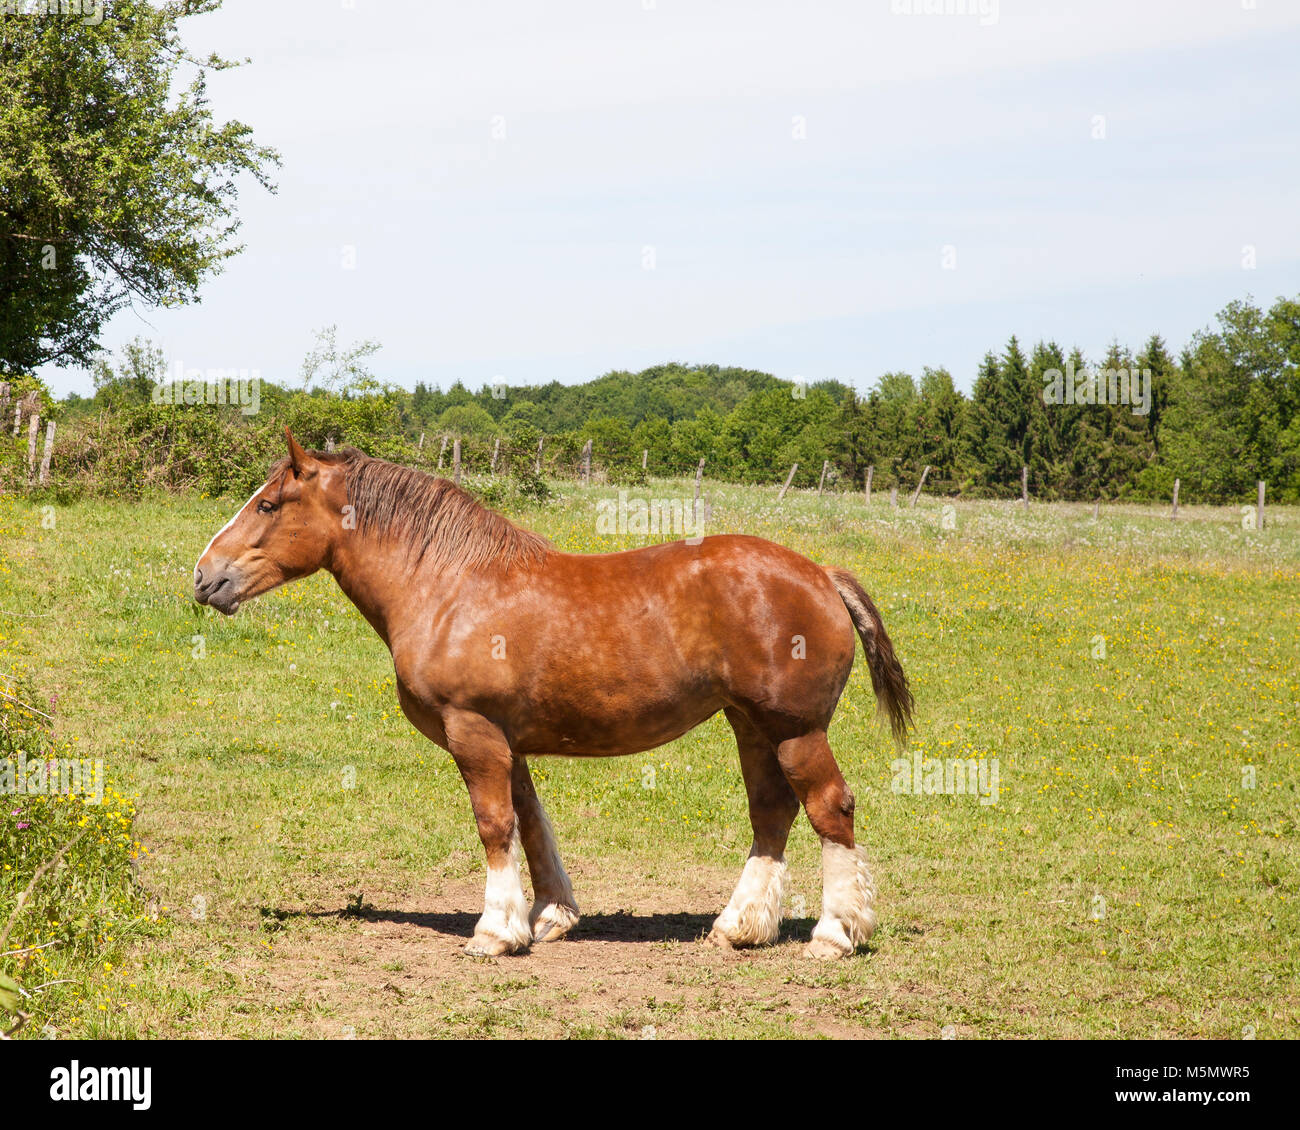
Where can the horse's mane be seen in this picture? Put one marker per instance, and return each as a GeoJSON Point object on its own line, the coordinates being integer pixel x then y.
{"type": "Point", "coordinates": [435, 518]}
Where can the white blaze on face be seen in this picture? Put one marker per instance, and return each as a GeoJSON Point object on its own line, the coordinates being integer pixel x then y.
{"type": "Point", "coordinates": [228, 525]}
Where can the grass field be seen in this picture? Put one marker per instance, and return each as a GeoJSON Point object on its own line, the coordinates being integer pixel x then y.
{"type": "Point", "coordinates": [306, 864]}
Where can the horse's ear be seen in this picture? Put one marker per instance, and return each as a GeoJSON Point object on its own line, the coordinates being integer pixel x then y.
{"type": "Point", "coordinates": [298, 458]}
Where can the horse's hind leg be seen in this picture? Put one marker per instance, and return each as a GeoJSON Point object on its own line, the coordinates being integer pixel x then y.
{"type": "Point", "coordinates": [753, 916]}
{"type": "Point", "coordinates": [848, 891]}
{"type": "Point", "coordinates": [555, 911]}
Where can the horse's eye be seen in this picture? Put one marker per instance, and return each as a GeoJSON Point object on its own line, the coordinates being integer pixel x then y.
{"type": "Point", "coordinates": [265, 507]}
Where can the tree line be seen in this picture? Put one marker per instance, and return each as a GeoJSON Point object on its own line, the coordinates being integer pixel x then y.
{"type": "Point", "coordinates": [1222, 414]}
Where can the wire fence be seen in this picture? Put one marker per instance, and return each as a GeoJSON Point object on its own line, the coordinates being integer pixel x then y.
{"type": "Point", "coordinates": [901, 482]}
{"type": "Point", "coordinates": [564, 457]}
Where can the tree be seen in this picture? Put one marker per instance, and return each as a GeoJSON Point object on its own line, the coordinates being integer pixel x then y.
{"type": "Point", "coordinates": [986, 439]}
{"type": "Point", "coordinates": [1284, 465]}
{"type": "Point", "coordinates": [458, 394]}
{"type": "Point", "coordinates": [998, 436]}
{"type": "Point", "coordinates": [117, 184]}
{"type": "Point", "coordinates": [426, 402]}
{"type": "Point", "coordinates": [856, 440]}
{"type": "Point", "coordinates": [525, 411]}
{"type": "Point", "coordinates": [1231, 415]}
{"type": "Point", "coordinates": [1049, 423]}
{"type": "Point", "coordinates": [1155, 359]}
{"type": "Point", "coordinates": [332, 368]}
{"type": "Point", "coordinates": [893, 405]}
{"type": "Point", "coordinates": [467, 420]}
{"type": "Point", "coordinates": [139, 369]}
{"type": "Point", "coordinates": [1127, 446]}
{"type": "Point", "coordinates": [940, 417]}
{"type": "Point", "coordinates": [770, 430]}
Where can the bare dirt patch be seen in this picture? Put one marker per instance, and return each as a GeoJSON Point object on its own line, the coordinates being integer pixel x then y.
{"type": "Point", "coordinates": [395, 968]}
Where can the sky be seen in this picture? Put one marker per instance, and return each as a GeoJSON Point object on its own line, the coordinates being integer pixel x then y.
{"type": "Point", "coordinates": [520, 192]}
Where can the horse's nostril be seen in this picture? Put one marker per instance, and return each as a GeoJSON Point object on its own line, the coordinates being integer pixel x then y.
{"type": "Point", "coordinates": [198, 577]}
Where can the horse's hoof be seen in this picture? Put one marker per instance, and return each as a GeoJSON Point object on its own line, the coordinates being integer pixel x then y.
{"type": "Point", "coordinates": [717, 938]}
{"type": "Point", "coordinates": [825, 950]}
{"type": "Point", "coordinates": [488, 945]}
{"type": "Point", "coordinates": [554, 922]}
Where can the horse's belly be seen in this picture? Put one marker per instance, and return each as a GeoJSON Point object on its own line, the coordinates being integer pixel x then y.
{"type": "Point", "coordinates": [596, 732]}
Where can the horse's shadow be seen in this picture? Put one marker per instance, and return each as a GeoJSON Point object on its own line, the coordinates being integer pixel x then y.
{"type": "Point", "coordinates": [613, 926]}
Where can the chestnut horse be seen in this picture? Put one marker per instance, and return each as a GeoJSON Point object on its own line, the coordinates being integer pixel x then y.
{"type": "Point", "coordinates": [505, 649]}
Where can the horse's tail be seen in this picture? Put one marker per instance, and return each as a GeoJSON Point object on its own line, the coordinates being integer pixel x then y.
{"type": "Point", "coordinates": [887, 677]}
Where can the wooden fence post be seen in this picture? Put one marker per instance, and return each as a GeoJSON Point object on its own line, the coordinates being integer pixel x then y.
{"type": "Point", "coordinates": [33, 426]}
{"type": "Point", "coordinates": [699, 478]}
{"type": "Point", "coordinates": [538, 468]}
{"type": "Point", "coordinates": [586, 464]}
{"type": "Point", "coordinates": [917, 493]}
{"type": "Point", "coordinates": [329, 443]}
{"type": "Point", "coordinates": [1174, 513]}
{"type": "Point", "coordinates": [18, 416]}
{"type": "Point", "coordinates": [420, 445]}
{"type": "Point", "coordinates": [455, 462]}
{"type": "Point", "coordinates": [4, 397]}
{"type": "Point", "coordinates": [1259, 504]}
{"type": "Point", "coordinates": [822, 481]}
{"type": "Point", "coordinates": [496, 451]}
{"type": "Point", "coordinates": [645, 455]}
{"type": "Point", "coordinates": [871, 471]}
{"type": "Point", "coordinates": [441, 452]}
{"type": "Point", "coordinates": [893, 495]}
{"type": "Point", "coordinates": [45, 454]}
{"type": "Point", "coordinates": [1024, 486]}
{"type": "Point", "coordinates": [788, 480]}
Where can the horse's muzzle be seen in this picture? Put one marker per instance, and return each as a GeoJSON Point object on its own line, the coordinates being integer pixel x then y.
{"type": "Point", "coordinates": [219, 587]}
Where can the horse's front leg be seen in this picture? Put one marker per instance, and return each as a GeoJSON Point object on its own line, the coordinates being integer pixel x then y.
{"type": "Point", "coordinates": [555, 910]}
{"type": "Point", "coordinates": [484, 760]}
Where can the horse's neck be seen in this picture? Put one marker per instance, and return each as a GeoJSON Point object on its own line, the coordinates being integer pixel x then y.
{"type": "Point", "coordinates": [376, 575]}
